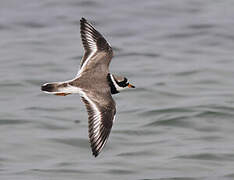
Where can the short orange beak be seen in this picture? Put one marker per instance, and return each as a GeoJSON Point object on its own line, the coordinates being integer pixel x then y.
{"type": "Point", "coordinates": [131, 86]}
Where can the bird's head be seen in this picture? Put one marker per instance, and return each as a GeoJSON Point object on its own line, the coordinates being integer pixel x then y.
{"type": "Point", "coordinates": [118, 83]}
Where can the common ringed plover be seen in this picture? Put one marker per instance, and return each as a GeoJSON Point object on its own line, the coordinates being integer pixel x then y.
{"type": "Point", "coordinates": [95, 85]}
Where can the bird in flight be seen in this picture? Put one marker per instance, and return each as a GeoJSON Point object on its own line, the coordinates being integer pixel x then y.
{"type": "Point", "coordinates": [95, 84]}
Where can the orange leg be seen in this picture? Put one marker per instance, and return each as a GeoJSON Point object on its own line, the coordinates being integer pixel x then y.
{"type": "Point", "coordinates": [62, 94]}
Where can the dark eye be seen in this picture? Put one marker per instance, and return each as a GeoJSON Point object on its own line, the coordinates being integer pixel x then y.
{"type": "Point", "coordinates": [123, 83]}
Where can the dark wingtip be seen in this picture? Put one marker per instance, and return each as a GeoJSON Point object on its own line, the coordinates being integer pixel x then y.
{"type": "Point", "coordinates": [95, 153]}
{"type": "Point", "coordinates": [83, 20]}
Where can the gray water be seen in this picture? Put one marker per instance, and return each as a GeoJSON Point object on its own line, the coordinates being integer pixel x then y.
{"type": "Point", "coordinates": [177, 124]}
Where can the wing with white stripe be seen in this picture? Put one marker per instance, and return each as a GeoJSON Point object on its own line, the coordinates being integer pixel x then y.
{"type": "Point", "coordinates": [101, 118]}
{"type": "Point", "coordinates": [93, 43]}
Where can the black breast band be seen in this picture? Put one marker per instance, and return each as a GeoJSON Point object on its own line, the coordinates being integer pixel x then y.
{"type": "Point", "coordinates": [111, 84]}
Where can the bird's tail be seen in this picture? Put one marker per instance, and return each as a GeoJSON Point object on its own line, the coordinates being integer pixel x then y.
{"type": "Point", "coordinates": [57, 88]}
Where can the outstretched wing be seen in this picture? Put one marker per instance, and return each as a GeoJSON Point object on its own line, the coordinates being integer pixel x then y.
{"type": "Point", "coordinates": [94, 43]}
{"type": "Point", "coordinates": [101, 117]}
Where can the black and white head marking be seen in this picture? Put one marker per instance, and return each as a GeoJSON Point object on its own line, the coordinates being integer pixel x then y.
{"type": "Point", "coordinates": [117, 84]}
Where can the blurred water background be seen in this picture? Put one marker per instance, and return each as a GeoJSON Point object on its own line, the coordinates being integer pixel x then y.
{"type": "Point", "coordinates": [178, 123]}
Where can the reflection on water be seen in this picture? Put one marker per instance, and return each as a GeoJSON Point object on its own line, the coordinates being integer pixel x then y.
{"type": "Point", "coordinates": [177, 123]}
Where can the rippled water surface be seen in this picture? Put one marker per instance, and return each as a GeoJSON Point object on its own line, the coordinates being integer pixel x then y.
{"type": "Point", "coordinates": [177, 124]}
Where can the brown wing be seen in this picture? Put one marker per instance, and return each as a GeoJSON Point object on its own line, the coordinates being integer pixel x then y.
{"type": "Point", "coordinates": [101, 117]}
{"type": "Point", "coordinates": [93, 43]}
